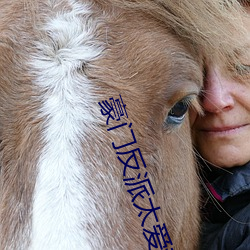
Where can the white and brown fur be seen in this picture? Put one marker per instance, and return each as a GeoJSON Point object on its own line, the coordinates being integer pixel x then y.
{"type": "Point", "coordinates": [61, 183]}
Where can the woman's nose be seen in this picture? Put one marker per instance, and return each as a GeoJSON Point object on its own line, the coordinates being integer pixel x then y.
{"type": "Point", "coordinates": [217, 93]}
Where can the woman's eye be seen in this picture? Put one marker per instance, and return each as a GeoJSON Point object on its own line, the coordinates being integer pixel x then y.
{"type": "Point", "coordinates": [177, 113]}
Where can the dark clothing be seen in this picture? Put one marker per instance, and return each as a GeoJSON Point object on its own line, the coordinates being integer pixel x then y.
{"type": "Point", "coordinates": [226, 217]}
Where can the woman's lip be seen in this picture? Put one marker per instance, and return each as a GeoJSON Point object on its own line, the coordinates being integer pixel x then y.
{"type": "Point", "coordinates": [223, 129]}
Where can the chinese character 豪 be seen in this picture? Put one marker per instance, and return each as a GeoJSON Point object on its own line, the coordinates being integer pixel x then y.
{"type": "Point", "coordinates": [113, 109]}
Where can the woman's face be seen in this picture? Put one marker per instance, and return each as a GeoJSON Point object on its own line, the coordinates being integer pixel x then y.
{"type": "Point", "coordinates": [222, 136]}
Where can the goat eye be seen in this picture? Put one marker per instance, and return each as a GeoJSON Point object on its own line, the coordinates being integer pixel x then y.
{"type": "Point", "coordinates": [178, 112]}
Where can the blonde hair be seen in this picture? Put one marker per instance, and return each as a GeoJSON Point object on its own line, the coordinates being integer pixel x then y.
{"type": "Point", "coordinates": [208, 25]}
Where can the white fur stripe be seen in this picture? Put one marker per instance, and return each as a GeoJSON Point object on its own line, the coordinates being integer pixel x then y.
{"type": "Point", "coordinates": [60, 200]}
